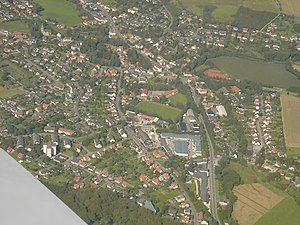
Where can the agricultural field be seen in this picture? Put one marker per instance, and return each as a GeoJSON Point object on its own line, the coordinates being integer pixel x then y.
{"type": "Point", "coordinates": [291, 152]}
{"type": "Point", "coordinates": [226, 9]}
{"type": "Point", "coordinates": [61, 11]}
{"type": "Point", "coordinates": [162, 111]}
{"type": "Point", "coordinates": [14, 26]}
{"type": "Point", "coordinates": [179, 100]}
{"type": "Point", "coordinates": [286, 212]}
{"type": "Point", "coordinates": [7, 93]}
{"type": "Point", "coordinates": [291, 7]}
{"type": "Point", "coordinates": [290, 116]}
{"type": "Point", "coordinates": [254, 201]}
{"type": "Point", "coordinates": [273, 74]}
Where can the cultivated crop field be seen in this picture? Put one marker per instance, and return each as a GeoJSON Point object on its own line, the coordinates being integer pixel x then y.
{"type": "Point", "coordinates": [155, 109]}
{"type": "Point", "coordinates": [285, 212]}
{"type": "Point", "coordinates": [254, 201]}
{"type": "Point", "coordinates": [291, 7]}
{"type": "Point", "coordinates": [62, 11]}
{"type": "Point", "coordinates": [291, 124]}
{"type": "Point", "coordinates": [259, 71]}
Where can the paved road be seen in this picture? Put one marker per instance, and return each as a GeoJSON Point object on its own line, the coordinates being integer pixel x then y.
{"type": "Point", "coordinates": [213, 198]}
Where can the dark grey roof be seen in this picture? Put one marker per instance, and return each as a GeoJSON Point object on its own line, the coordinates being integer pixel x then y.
{"type": "Point", "coordinates": [181, 147]}
{"type": "Point", "coordinates": [26, 201]}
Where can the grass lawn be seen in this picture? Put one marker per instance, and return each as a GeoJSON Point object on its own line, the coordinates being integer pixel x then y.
{"type": "Point", "coordinates": [163, 196]}
{"type": "Point", "coordinates": [15, 26]}
{"type": "Point", "coordinates": [286, 212]}
{"type": "Point", "coordinates": [69, 152]}
{"type": "Point", "coordinates": [247, 173]}
{"type": "Point", "coordinates": [7, 93]}
{"type": "Point", "coordinates": [62, 11]}
{"type": "Point", "coordinates": [179, 100]}
{"type": "Point", "coordinates": [162, 111]}
{"type": "Point", "coordinates": [259, 71]}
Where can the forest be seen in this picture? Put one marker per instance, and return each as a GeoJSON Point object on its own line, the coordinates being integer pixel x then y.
{"type": "Point", "coordinates": [102, 206]}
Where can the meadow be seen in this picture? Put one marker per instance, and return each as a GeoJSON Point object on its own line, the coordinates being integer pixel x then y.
{"type": "Point", "coordinates": [161, 111]}
{"type": "Point", "coordinates": [7, 93]}
{"type": "Point", "coordinates": [247, 173]}
{"type": "Point", "coordinates": [290, 116]}
{"type": "Point", "coordinates": [14, 26]}
{"type": "Point", "coordinates": [18, 75]}
{"type": "Point", "coordinates": [269, 74]}
{"type": "Point", "coordinates": [62, 11]}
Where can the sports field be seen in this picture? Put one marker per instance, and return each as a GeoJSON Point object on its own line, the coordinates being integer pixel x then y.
{"type": "Point", "coordinates": [273, 74]}
{"type": "Point", "coordinates": [254, 201]}
{"type": "Point", "coordinates": [14, 26]}
{"type": "Point", "coordinates": [291, 7]}
{"type": "Point", "coordinates": [161, 111]}
{"type": "Point", "coordinates": [290, 116]}
{"type": "Point", "coordinates": [62, 11]}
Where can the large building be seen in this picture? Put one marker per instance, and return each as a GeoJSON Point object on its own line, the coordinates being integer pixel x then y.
{"type": "Point", "coordinates": [26, 201]}
{"type": "Point", "coordinates": [50, 149]}
{"type": "Point", "coordinates": [221, 110]}
{"type": "Point", "coordinates": [183, 144]}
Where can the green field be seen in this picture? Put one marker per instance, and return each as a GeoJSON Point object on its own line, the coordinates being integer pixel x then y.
{"type": "Point", "coordinates": [179, 100]}
{"type": "Point", "coordinates": [7, 93]}
{"type": "Point", "coordinates": [155, 109]}
{"type": "Point", "coordinates": [15, 26]}
{"type": "Point", "coordinates": [273, 74]}
{"type": "Point", "coordinates": [291, 152]}
{"type": "Point", "coordinates": [225, 9]}
{"type": "Point", "coordinates": [286, 212]}
{"type": "Point", "coordinates": [62, 11]}
{"type": "Point", "coordinates": [225, 13]}
{"type": "Point", "coordinates": [253, 19]}
{"type": "Point", "coordinates": [247, 173]}
{"type": "Point", "coordinates": [161, 197]}
{"type": "Point", "coordinates": [18, 75]}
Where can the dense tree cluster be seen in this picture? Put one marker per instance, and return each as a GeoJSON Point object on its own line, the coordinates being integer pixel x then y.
{"type": "Point", "coordinates": [101, 206]}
